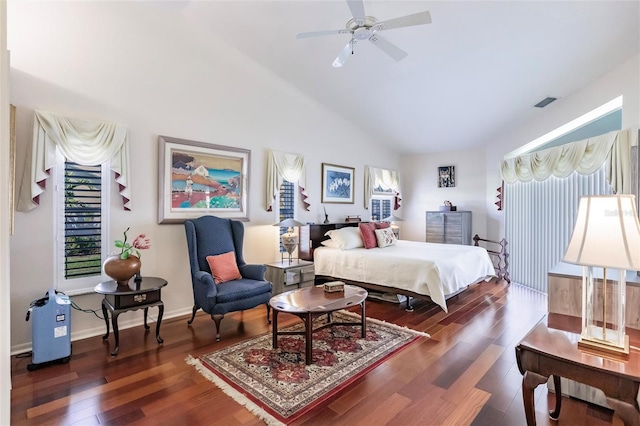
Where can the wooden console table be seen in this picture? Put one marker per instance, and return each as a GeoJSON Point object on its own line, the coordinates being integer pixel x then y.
{"type": "Point", "coordinates": [550, 349]}
{"type": "Point", "coordinates": [141, 295]}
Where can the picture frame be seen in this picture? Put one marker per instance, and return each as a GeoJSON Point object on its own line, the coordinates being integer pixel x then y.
{"type": "Point", "coordinates": [200, 178]}
{"type": "Point", "coordinates": [446, 177]}
{"type": "Point", "coordinates": [337, 184]}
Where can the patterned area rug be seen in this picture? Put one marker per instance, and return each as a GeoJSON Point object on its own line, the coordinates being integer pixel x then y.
{"type": "Point", "coordinates": [278, 387]}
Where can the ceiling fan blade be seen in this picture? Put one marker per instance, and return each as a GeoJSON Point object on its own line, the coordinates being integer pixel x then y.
{"type": "Point", "coordinates": [344, 54]}
{"type": "Point", "coordinates": [322, 33]}
{"type": "Point", "coordinates": [357, 10]}
{"type": "Point", "coordinates": [387, 47]}
{"type": "Point", "coordinates": [420, 18]}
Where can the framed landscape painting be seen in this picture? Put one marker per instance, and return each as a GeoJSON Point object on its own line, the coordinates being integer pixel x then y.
{"type": "Point", "coordinates": [337, 184]}
{"type": "Point", "coordinates": [199, 178]}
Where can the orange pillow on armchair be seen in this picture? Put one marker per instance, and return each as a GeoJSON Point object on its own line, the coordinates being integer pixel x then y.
{"type": "Point", "coordinates": [224, 267]}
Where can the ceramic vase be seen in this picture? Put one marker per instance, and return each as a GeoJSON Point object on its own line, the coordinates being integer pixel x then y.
{"type": "Point", "coordinates": [121, 270]}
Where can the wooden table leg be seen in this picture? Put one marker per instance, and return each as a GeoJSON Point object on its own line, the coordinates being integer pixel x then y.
{"type": "Point", "coordinates": [106, 318]}
{"type": "Point", "coordinates": [364, 319]}
{"type": "Point", "coordinates": [530, 381]}
{"type": "Point", "coordinates": [558, 387]}
{"type": "Point", "coordinates": [160, 313]}
{"type": "Point", "coordinates": [116, 332]}
{"type": "Point", "coordinates": [308, 338]}
{"type": "Point", "coordinates": [274, 328]}
{"type": "Point", "coordinates": [629, 413]}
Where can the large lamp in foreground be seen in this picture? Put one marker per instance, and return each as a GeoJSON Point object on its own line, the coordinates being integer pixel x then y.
{"type": "Point", "coordinates": [606, 235]}
{"type": "Point", "coordinates": [289, 240]}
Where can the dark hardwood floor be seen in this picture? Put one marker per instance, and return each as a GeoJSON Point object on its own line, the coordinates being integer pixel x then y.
{"type": "Point", "coordinates": [465, 374]}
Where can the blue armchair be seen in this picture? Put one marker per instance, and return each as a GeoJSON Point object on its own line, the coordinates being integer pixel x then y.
{"type": "Point", "coordinates": [211, 235]}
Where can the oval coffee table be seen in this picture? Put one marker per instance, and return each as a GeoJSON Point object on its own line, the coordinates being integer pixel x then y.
{"type": "Point", "coordinates": [305, 303]}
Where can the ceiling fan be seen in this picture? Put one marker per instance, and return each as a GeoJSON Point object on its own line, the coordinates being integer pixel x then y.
{"type": "Point", "coordinates": [362, 27]}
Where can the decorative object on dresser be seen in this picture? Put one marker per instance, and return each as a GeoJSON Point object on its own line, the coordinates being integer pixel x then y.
{"type": "Point", "coordinates": [446, 177]}
{"type": "Point", "coordinates": [326, 216]}
{"type": "Point", "coordinates": [337, 184]}
{"type": "Point", "coordinates": [606, 235]}
{"type": "Point", "coordinates": [289, 276]}
{"type": "Point", "coordinates": [499, 255]}
{"type": "Point", "coordinates": [289, 239]}
{"type": "Point", "coordinates": [447, 206]}
{"type": "Point", "coordinates": [353, 218]}
{"type": "Point", "coordinates": [196, 178]}
{"type": "Point", "coordinates": [211, 240]}
{"type": "Point", "coordinates": [449, 227]}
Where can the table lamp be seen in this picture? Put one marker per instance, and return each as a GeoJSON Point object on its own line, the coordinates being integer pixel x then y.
{"type": "Point", "coordinates": [289, 240]}
{"type": "Point", "coordinates": [606, 235]}
{"type": "Point", "coordinates": [392, 221]}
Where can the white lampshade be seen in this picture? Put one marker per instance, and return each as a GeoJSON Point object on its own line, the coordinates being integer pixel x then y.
{"type": "Point", "coordinates": [288, 223]}
{"type": "Point", "coordinates": [606, 234]}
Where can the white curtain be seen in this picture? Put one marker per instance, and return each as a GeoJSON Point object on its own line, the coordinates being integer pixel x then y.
{"type": "Point", "coordinates": [585, 157]}
{"type": "Point", "coordinates": [282, 166]}
{"type": "Point", "coordinates": [387, 180]}
{"type": "Point", "coordinates": [81, 141]}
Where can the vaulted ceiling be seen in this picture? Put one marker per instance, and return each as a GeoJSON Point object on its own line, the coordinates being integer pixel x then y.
{"type": "Point", "coordinates": [477, 69]}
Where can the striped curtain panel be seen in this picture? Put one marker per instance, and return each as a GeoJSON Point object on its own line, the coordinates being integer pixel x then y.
{"type": "Point", "coordinates": [539, 220]}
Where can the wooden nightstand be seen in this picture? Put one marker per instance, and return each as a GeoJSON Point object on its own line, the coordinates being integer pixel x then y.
{"type": "Point", "coordinates": [285, 276]}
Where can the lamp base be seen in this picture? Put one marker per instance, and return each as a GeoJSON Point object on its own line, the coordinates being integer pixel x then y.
{"type": "Point", "coordinates": [601, 347]}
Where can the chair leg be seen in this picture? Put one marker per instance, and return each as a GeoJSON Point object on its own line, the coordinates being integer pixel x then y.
{"type": "Point", "coordinates": [217, 318]}
{"type": "Point", "coordinates": [193, 314]}
{"type": "Point", "coordinates": [268, 313]}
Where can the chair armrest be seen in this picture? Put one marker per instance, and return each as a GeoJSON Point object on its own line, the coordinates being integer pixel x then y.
{"type": "Point", "coordinates": [203, 284]}
{"type": "Point", "coordinates": [253, 272]}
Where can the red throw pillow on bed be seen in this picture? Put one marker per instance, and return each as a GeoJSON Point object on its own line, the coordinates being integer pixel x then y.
{"type": "Point", "coordinates": [382, 225]}
{"type": "Point", "coordinates": [368, 232]}
{"type": "Point", "coordinates": [224, 267]}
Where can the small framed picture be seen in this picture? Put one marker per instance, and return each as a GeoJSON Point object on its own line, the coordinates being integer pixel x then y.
{"type": "Point", "coordinates": [337, 184]}
{"type": "Point", "coordinates": [446, 177]}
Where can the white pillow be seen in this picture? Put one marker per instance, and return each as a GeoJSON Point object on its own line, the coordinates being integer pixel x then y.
{"type": "Point", "coordinates": [347, 238]}
{"type": "Point", "coordinates": [385, 237]}
{"type": "Point", "coordinates": [330, 243]}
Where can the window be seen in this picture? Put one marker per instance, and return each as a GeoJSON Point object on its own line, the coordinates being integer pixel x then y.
{"type": "Point", "coordinates": [380, 207]}
{"type": "Point", "coordinates": [286, 206]}
{"type": "Point", "coordinates": [81, 241]}
{"type": "Point", "coordinates": [540, 215]}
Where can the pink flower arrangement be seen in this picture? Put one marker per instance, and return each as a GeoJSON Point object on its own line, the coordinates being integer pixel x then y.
{"type": "Point", "coordinates": [141, 242]}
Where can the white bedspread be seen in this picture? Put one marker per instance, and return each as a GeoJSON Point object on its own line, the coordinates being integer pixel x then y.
{"type": "Point", "coordinates": [429, 269]}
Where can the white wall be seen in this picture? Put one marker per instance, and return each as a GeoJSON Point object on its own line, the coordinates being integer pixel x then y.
{"type": "Point", "coordinates": [132, 63]}
{"type": "Point", "coordinates": [421, 193]}
{"type": "Point", "coordinates": [5, 210]}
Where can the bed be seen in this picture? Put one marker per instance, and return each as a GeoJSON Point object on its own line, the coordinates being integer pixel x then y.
{"type": "Point", "coordinates": [409, 268]}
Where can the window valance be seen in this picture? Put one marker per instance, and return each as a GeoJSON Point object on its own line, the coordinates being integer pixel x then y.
{"type": "Point", "coordinates": [585, 157]}
{"type": "Point", "coordinates": [283, 166]}
{"type": "Point", "coordinates": [381, 182]}
{"type": "Point", "coordinates": [81, 141]}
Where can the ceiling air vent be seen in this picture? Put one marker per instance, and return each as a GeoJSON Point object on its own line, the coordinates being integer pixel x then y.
{"type": "Point", "coordinates": [546, 101]}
